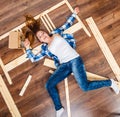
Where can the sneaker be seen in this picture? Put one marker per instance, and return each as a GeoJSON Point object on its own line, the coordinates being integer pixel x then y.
{"type": "Point", "coordinates": [115, 87]}
{"type": "Point", "coordinates": [59, 112]}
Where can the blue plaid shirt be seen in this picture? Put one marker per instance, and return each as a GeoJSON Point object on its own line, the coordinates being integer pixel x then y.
{"type": "Point", "coordinates": [44, 48]}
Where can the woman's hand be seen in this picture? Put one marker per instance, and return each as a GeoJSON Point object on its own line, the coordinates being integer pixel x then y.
{"type": "Point", "coordinates": [26, 44]}
{"type": "Point", "coordinates": [76, 10]}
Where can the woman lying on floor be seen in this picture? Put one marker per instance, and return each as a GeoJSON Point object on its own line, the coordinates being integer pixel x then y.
{"type": "Point", "coordinates": [61, 48]}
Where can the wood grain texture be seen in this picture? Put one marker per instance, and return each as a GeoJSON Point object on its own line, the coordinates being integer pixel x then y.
{"type": "Point", "coordinates": [36, 101]}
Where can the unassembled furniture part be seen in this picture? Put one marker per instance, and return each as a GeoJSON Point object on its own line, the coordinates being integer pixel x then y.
{"type": "Point", "coordinates": [104, 47]}
{"type": "Point", "coordinates": [8, 99]}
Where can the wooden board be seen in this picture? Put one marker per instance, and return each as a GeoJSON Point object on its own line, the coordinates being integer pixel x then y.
{"type": "Point", "coordinates": [104, 47]}
{"type": "Point", "coordinates": [5, 71]}
{"type": "Point", "coordinates": [25, 85]}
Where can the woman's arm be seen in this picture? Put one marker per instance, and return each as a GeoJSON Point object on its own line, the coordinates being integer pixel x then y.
{"type": "Point", "coordinates": [33, 57]}
{"type": "Point", "coordinates": [68, 23]}
{"type": "Point", "coordinates": [30, 54]}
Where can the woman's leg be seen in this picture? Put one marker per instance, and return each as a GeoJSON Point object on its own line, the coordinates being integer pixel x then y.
{"type": "Point", "coordinates": [79, 72]}
{"type": "Point", "coordinates": [60, 74]}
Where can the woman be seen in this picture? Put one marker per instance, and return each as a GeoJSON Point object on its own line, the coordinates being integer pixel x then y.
{"type": "Point", "coordinates": [60, 47]}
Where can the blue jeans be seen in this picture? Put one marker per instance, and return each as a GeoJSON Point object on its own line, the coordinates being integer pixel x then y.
{"type": "Point", "coordinates": [76, 67]}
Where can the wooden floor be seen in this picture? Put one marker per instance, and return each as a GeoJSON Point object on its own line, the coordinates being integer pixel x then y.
{"type": "Point", "coordinates": [36, 101]}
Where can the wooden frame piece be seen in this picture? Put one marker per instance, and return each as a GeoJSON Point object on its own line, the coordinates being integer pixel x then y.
{"type": "Point", "coordinates": [5, 71]}
{"type": "Point", "coordinates": [67, 97]}
{"type": "Point", "coordinates": [104, 47]}
{"type": "Point", "coordinates": [8, 99]}
{"type": "Point", "coordinates": [25, 85]}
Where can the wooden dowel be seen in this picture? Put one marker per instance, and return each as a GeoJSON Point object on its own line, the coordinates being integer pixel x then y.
{"type": "Point", "coordinates": [45, 24]}
{"type": "Point", "coordinates": [67, 97]}
{"type": "Point", "coordinates": [50, 21]}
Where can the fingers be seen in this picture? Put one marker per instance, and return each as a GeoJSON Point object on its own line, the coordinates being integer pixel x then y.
{"type": "Point", "coordinates": [76, 10]}
{"type": "Point", "coordinates": [26, 44]}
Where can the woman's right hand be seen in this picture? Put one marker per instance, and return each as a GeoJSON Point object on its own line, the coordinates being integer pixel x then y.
{"type": "Point", "coordinates": [26, 44]}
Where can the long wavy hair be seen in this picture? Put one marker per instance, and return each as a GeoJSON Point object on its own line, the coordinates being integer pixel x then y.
{"type": "Point", "coordinates": [31, 28]}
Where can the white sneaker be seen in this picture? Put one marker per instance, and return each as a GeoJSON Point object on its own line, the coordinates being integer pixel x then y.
{"type": "Point", "coordinates": [115, 87]}
{"type": "Point", "coordinates": [59, 112]}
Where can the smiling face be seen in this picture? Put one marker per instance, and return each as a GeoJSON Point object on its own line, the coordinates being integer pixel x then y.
{"type": "Point", "coordinates": [43, 37]}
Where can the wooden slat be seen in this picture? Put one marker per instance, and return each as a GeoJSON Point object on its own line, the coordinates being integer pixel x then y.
{"type": "Point", "coordinates": [5, 71]}
{"type": "Point", "coordinates": [48, 23]}
{"type": "Point", "coordinates": [104, 47]}
{"type": "Point", "coordinates": [8, 99]}
{"type": "Point", "coordinates": [25, 85]}
{"type": "Point", "coordinates": [67, 97]}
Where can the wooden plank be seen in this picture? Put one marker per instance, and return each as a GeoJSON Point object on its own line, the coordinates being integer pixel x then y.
{"type": "Point", "coordinates": [73, 28]}
{"type": "Point", "coordinates": [25, 85]}
{"type": "Point", "coordinates": [48, 23]}
{"type": "Point", "coordinates": [45, 24]}
{"type": "Point", "coordinates": [5, 71]}
{"type": "Point", "coordinates": [8, 99]}
{"type": "Point", "coordinates": [49, 63]}
{"type": "Point", "coordinates": [104, 47]}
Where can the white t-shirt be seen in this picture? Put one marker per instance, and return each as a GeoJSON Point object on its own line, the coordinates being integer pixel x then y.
{"type": "Point", "coordinates": [60, 47]}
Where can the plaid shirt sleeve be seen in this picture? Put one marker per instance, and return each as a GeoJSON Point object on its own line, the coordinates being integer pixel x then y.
{"type": "Point", "coordinates": [33, 57]}
{"type": "Point", "coordinates": [66, 25]}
